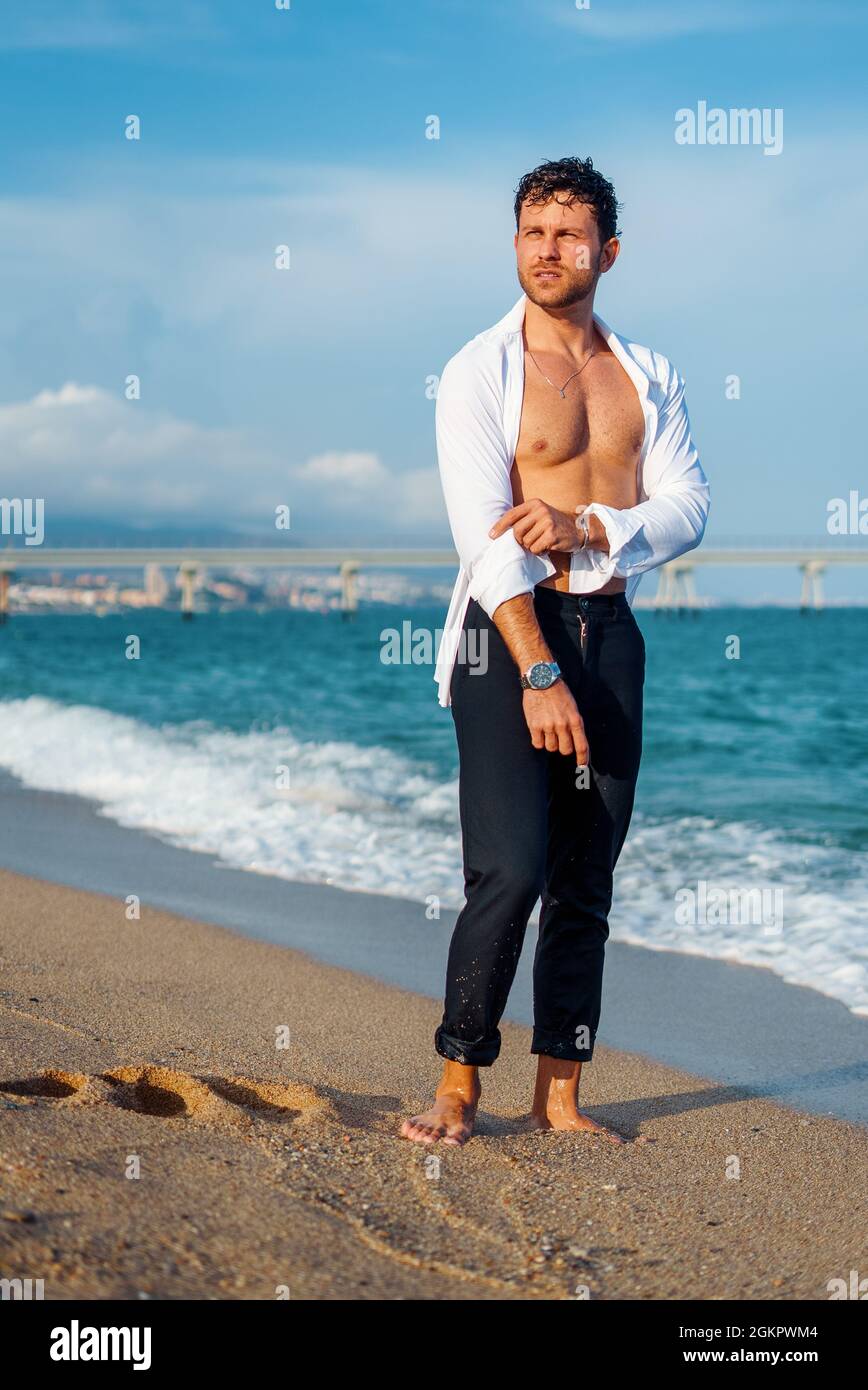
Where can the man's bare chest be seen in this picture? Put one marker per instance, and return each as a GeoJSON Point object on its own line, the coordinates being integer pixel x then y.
{"type": "Point", "coordinates": [599, 419]}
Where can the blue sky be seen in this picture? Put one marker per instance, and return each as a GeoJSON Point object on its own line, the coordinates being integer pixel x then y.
{"type": "Point", "coordinates": [307, 127]}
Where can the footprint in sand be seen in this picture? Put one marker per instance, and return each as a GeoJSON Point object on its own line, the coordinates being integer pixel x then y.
{"type": "Point", "coordinates": [166, 1093]}
{"type": "Point", "coordinates": [51, 1084]}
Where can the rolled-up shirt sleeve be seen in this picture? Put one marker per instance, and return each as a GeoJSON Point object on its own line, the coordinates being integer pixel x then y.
{"type": "Point", "coordinates": [472, 457]}
{"type": "Point", "coordinates": [673, 518]}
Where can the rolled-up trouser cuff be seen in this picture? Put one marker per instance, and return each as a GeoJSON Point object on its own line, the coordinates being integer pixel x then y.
{"type": "Point", "coordinates": [561, 1045]}
{"type": "Point", "coordinates": [479, 1053]}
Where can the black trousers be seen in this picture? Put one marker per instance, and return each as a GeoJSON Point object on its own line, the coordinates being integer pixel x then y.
{"type": "Point", "coordinates": [534, 826]}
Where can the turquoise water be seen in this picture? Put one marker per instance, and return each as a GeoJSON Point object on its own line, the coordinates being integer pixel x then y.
{"type": "Point", "coordinates": [281, 742]}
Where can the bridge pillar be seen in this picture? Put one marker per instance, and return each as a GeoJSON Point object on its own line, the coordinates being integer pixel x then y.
{"type": "Point", "coordinates": [349, 592]}
{"type": "Point", "coordinates": [188, 576]}
{"type": "Point", "coordinates": [665, 580]}
{"type": "Point", "coordinates": [676, 588]}
{"type": "Point", "coordinates": [812, 585]}
{"type": "Point", "coordinates": [688, 587]}
{"type": "Point", "coordinates": [5, 581]}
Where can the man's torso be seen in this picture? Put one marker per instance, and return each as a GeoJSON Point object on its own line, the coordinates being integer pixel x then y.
{"type": "Point", "coordinates": [582, 448]}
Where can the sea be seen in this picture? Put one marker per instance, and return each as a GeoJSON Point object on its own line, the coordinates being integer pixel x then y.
{"type": "Point", "coordinates": [293, 743]}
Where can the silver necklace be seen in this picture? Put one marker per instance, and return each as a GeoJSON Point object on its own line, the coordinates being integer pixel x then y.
{"type": "Point", "coordinates": [562, 390]}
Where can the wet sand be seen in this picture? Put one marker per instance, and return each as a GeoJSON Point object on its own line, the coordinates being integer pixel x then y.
{"type": "Point", "coordinates": [150, 1046]}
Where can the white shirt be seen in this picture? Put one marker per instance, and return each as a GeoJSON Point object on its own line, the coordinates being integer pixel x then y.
{"type": "Point", "coordinates": [478, 416]}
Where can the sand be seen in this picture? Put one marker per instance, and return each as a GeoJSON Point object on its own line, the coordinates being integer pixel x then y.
{"type": "Point", "coordinates": [149, 1046]}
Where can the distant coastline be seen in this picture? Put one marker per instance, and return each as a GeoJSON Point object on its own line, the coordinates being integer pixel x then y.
{"type": "Point", "coordinates": [316, 592]}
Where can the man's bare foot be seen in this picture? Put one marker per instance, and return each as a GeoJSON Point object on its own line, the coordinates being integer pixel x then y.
{"type": "Point", "coordinates": [450, 1119]}
{"type": "Point", "coordinates": [577, 1120]}
{"type": "Point", "coordinates": [556, 1100]}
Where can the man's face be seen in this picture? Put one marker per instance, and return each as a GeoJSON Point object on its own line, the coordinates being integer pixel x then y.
{"type": "Point", "coordinates": [558, 253]}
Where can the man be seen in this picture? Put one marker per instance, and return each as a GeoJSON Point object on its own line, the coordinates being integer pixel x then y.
{"type": "Point", "coordinates": [568, 470]}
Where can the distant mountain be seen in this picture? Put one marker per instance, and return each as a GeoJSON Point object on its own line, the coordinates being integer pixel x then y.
{"type": "Point", "coordinates": [78, 532]}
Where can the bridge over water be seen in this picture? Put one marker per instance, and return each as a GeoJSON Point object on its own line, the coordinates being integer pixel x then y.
{"type": "Point", "coordinates": [676, 581]}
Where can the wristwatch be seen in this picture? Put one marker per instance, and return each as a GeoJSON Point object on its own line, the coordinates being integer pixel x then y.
{"type": "Point", "coordinates": [541, 675]}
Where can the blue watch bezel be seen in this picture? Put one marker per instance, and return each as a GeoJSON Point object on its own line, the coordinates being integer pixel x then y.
{"type": "Point", "coordinates": [551, 667]}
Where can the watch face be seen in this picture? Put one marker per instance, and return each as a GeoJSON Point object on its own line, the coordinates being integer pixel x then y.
{"type": "Point", "coordinates": [540, 676]}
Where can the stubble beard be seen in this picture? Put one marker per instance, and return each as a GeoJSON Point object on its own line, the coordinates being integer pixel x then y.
{"type": "Point", "coordinates": [571, 290]}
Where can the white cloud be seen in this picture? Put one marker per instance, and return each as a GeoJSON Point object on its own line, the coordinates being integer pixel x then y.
{"type": "Point", "coordinates": [81, 448]}
{"type": "Point", "coordinates": [357, 488]}
{"type": "Point", "coordinates": [358, 238]}
{"type": "Point", "coordinates": [86, 451]}
{"type": "Point", "coordinates": [638, 21]}
{"type": "Point", "coordinates": [353, 470]}
{"type": "Point", "coordinates": [45, 25]}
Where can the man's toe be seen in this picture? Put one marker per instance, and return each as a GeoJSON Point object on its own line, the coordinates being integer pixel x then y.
{"type": "Point", "coordinates": [416, 1129]}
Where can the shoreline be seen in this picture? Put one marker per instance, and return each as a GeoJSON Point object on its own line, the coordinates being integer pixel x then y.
{"type": "Point", "coordinates": [737, 1024]}
{"type": "Point", "coordinates": [260, 1166]}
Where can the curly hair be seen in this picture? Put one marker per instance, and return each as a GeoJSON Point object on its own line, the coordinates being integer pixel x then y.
{"type": "Point", "coordinates": [580, 181]}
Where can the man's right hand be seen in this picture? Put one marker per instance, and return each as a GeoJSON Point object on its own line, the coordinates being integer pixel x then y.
{"type": "Point", "coordinates": [555, 723]}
